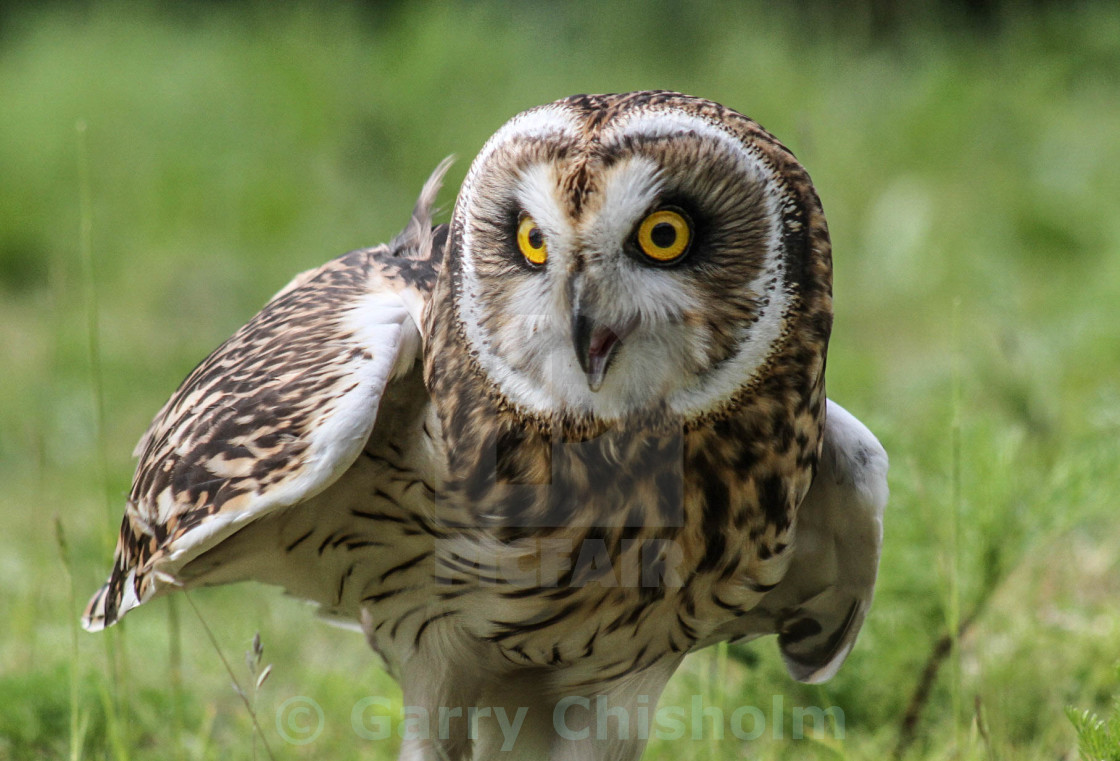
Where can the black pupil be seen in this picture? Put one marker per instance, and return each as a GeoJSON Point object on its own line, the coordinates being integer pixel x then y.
{"type": "Point", "coordinates": [536, 239]}
{"type": "Point", "coordinates": [663, 235]}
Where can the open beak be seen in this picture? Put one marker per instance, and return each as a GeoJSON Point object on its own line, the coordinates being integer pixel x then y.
{"type": "Point", "coordinates": [596, 345]}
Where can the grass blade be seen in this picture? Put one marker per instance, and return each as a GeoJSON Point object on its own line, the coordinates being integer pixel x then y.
{"type": "Point", "coordinates": [72, 605]}
{"type": "Point", "coordinates": [233, 677]}
{"type": "Point", "coordinates": [115, 716]}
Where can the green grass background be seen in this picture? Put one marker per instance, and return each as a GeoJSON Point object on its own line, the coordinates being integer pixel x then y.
{"type": "Point", "coordinates": [970, 176]}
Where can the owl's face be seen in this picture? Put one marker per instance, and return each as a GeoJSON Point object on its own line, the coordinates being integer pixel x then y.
{"type": "Point", "coordinates": [616, 256]}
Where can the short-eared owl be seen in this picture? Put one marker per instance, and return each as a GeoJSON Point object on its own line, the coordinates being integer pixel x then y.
{"type": "Point", "coordinates": [544, 452]}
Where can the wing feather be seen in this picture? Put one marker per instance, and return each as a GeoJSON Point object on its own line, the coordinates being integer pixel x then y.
{"type": "Point", "coordinates": [277, 413]}
{"type": "Point", "coordinates": [819, 606]}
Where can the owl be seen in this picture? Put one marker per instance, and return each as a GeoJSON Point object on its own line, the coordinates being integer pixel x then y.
{"type": "Point", "coordinates": [542, 453]}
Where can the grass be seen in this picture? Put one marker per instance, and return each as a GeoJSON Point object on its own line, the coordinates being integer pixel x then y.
{"type": "Point", "coordinates": [969, 178]}
{"type": "Point", "coordinates": [1098, 739]}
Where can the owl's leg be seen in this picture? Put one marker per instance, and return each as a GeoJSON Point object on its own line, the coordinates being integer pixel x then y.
{"type": "Point", "coordinates": [440, 680]}
{"type": "Point", "coordinates": [515, 721]}
{"type": "Point", "coordinates": [612, 724]}
{"type": "Point", "coordinates": [440, 702]}
{"type": "Point", "coordinates": [535, 716]}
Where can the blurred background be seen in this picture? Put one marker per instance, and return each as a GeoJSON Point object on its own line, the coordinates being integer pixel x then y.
{"type": "Point", "coordinates": [166, 167]}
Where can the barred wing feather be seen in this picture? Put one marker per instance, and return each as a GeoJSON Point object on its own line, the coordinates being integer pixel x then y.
{"type": "Point", "coordinates": [820, 604]}
{"type": "Point", "coordinates": [276, 414]}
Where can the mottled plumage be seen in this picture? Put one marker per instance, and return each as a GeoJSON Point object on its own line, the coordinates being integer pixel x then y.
{"type": "Point", "coordinates": [550, 449]}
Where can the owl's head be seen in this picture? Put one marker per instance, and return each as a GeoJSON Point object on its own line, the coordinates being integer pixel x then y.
{"type": "Point", "coordinates": [649, 253]}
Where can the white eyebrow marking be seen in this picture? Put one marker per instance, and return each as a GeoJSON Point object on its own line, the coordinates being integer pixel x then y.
{"type": "Point", "coordinates": [629, 188]}
{"type": "Point", "coordinates": [538, 193]}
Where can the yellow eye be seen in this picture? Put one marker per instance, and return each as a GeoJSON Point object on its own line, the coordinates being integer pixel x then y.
{"type": "Point", "coordinates": [664, 235]}
{"type": "Point", "coordinates": [530, 240]}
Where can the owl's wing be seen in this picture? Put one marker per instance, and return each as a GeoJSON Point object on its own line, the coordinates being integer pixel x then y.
{"type": "Point", "coordinates": [819, 606]}
{"type": "Point", "coordinates": [277, 413]}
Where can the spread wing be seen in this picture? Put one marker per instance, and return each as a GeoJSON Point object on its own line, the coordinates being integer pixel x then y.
{"type": "Point", "coordinates": [277, 413]}
{"type": "Point", "coordinates": [819, 606]}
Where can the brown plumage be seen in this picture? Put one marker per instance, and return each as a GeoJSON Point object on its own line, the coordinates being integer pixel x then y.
{"type": "Point", "coordinates": [604, 460]}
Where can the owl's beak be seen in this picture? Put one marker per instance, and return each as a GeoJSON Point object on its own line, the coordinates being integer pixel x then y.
{"type": "Point", "coordinates": [595, 345]}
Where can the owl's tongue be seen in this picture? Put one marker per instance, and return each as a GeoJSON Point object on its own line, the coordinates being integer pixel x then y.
{"type": "Point", "coordinates": [595, 345]}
